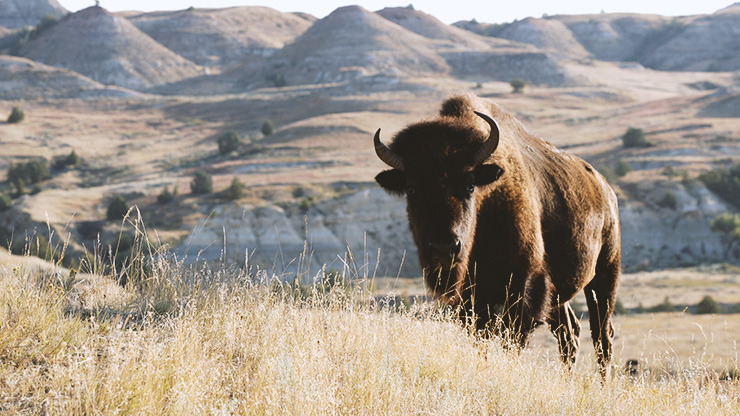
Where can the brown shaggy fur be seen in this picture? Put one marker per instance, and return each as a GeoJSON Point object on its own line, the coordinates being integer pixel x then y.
{"type": "Point", "coordinates": [536, 225]}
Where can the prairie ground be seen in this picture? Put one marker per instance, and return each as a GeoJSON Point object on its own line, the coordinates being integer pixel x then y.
{"type": "Point", "coordinates": [192, 340]}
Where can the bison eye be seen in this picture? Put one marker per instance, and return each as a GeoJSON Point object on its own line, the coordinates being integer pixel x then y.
{"type": "Point", "coordinates": [470, 188]}
{"type": "Point", "coordinates": [410, 190]}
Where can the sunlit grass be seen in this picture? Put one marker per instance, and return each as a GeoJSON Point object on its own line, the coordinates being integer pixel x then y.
{"type": "Point", "coordinates": [191, 340]}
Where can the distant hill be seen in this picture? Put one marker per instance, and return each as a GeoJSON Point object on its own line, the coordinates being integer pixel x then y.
{"type": "Point", "coordinates": [223, 36]}
{"type": "Point", "coordinates": [108, 49]}
{"type": "Point", "coordinates": [19, 13]}
{"type": "Point", "coordinates": [352, 42]}
{"type": "Point", "coordinates": [22, 78]}
{"type": "Point", "coordinates": [616, 36]}
{"type": "Point", "coordinates": [430, 27]}
{"type": "Point", "coordinates": [708, 43]}
{"type": "Point", "coordinates": [690, 43]}
{"type": "Point", "coordinates": [547, 34]}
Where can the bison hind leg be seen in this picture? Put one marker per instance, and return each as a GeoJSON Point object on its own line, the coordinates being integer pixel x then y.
{"type": "Point", "coordinates": [601, 295]}
{"type": "Point", "coordinates": [567, 330]}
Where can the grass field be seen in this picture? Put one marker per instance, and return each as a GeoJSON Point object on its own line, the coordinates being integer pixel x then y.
{"type": "Point", "coordinates": [191, 340]}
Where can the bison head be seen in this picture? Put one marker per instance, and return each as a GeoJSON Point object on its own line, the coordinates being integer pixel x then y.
{"type": "Point", "coordinates": [441, 167]}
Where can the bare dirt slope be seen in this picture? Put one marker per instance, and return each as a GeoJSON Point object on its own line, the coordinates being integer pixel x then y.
{"type": "Point", "coordinates": [708, 43]}
{"type": "Point", "coordinates": [108, 49]}
{"type": "Point", "coordinates": [215, 37]}
{"type": "Point", "coordinates": [20, 13]}
{"type": "Point", "coordinates": [22, 78]}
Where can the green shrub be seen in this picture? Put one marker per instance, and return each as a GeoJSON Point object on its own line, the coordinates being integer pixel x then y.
{"type": "Point", "coordinates": [62, 162]}
{"type": "Point", "coordinates": [622, 168]}
{"type": "Point", "coordinates": [73, 159]}
{"type": "Point", "coordinates": [666, 306]}
{"type": "Point", "coordinates": [268, 128]}
{"type": "Point", "coordinates": [228, 142]}
{"type": "Point", "coordinates": [117, 208]}
{"type": "Point", "coordinates": [277, 80]}
{"type": "Point", "coordinates": [724, 182]}
{"type": "Point", "coordinates": [608, 174]}
{"type": "Point", "coordinates": [5, 202]}
{"type": "Point", "coordinates": [669, 171]}
{"type": "Point", "coordinates": [235, 190]}
{"type": "Point", "coordinates": [668, 201]}
{"type": "Point", "coordinates": [307, 203]}
{"type": "Point", "coordinates": [728, 227]}
{"type": "Point", "coordinates": [202, 183]}
{"type": "Point", "coordinates": [708, 306]}
{"type": "Point", "coordinates": [46, 22]}
{"type": "Point", "coordinates": [619, 308]}
{"type": "Point", "coordinates": [166, 196]}
{"type": "Point", "coordinates": [634, 137]}
{"type": "Point", "coordinates": [16, 116]}
{"type": "Point", "coordinates": [517, 85]}
{"type": "Point", "coordinates": [28, 173]}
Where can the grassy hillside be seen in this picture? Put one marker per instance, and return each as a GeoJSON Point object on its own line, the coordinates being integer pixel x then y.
{"type": "Point", "coordinates": [199, 341]}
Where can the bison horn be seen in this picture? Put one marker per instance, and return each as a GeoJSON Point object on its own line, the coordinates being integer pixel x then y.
{"type": "Point", "coordinates": [491, 143]}
{"type": "Point", "coordinates": [385, 154]}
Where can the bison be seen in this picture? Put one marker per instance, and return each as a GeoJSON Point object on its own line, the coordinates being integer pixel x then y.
{"type": "Point", "coordinates": [508, 227]}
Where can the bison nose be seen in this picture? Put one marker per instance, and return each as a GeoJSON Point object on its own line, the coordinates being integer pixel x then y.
{"type": "Point", "coordinates": [443, 250]}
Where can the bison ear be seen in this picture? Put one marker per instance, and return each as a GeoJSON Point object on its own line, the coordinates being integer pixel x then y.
{"type": "Point", "coordinates": [487, 174]}
{"type": "Point", "coordinates": [393, 181]}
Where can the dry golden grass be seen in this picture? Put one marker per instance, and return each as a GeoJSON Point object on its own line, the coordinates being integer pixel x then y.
{"type": "Point", "coordinates": [199, 341]}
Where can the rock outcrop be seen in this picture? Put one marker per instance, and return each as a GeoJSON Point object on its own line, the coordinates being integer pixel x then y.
{"type": "Point", "coordinates": [371, 222]}
{"type": "Point", "coordinates": [353, 229]}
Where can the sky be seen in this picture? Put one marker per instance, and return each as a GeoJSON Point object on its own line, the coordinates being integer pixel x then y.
{"type": "Point", "coordinates": [491, 11]}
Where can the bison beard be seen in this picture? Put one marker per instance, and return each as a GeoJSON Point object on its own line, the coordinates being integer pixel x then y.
{"type": "Point", "coordinates": [508, 228]}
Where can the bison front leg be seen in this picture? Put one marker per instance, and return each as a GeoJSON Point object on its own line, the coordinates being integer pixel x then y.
{"type": "Point", "coordinates": [567, 330]}
{"type": "Point", "coordinates": [527, 306]}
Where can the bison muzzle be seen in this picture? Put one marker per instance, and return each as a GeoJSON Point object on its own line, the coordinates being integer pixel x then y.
{"type": "Point", "coordinates": [508, 228]}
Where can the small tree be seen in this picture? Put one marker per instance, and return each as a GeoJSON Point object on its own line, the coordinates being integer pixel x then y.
{"type": "Point", "coordinates": [634, 137]}
{"type": "Point", "coordinates": [268, 128]}
{"type": "Point", "coordinates": [666, 306]}
{"type": "Point", "coordinates": [277, 80]}
{"type": "Point", "coordinates": [228, 142]}
{"type": "Point", "coordinates": [165, 196]}
{"type": "Point", "coordinates": [517, 85]}
{"type": "Point", "coordinates": [708, 306]}
{"type": "Point", "coordinates": [202, 183]}
{"type": "Point", "coordinates": [669, 172]}
{"type": "Point", "coordinates": [669, 200]}
{"type": "Point", "coordinates": [117, 208]}
{"type": "Point", "coordinates": [5, 203]}
{"type": "Point", "coordinates": [728, 227]}
{"type": "Point", "coordinates": [72, 159]}
{"type": "Point", "coordinates": [619, 308]}
{"type": "Point", "coordinates": [16, 115]}
{"type": "Point", "coordinates": [622, 168]}
{"type": "Point", "coordinates": [235, 190]}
